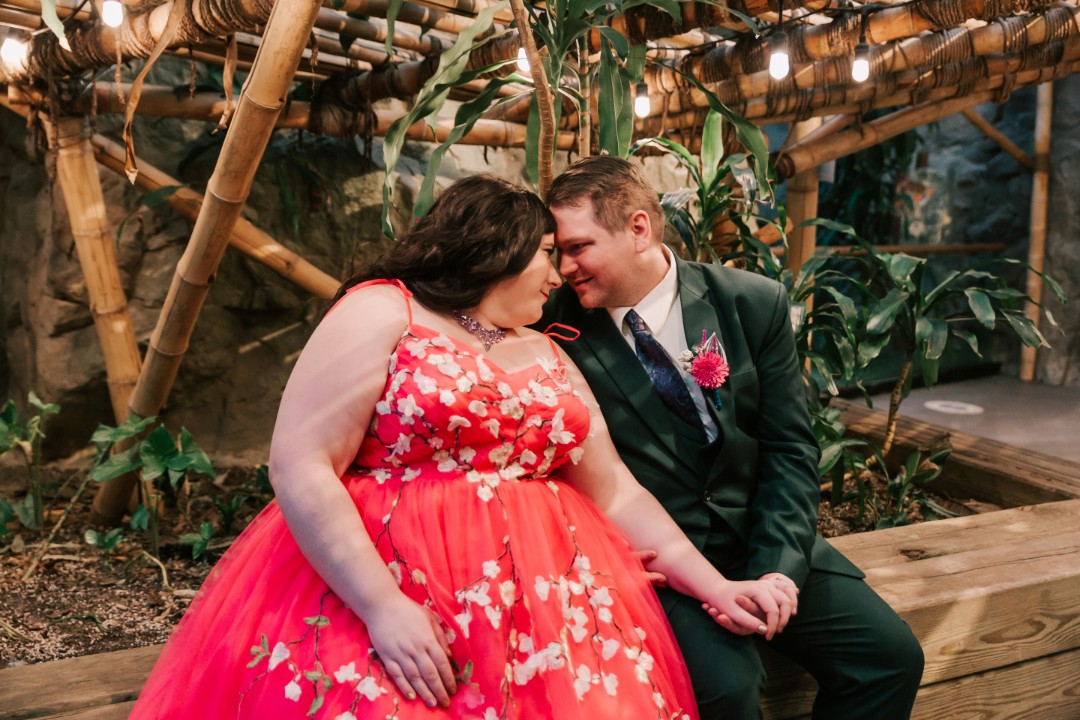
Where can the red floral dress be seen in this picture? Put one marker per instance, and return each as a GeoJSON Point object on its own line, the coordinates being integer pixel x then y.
{"type": "Point", "coordinates": [549, 614]}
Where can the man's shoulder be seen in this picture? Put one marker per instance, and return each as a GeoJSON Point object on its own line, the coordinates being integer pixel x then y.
{"type": "Point", "coordinates": [732, 282]}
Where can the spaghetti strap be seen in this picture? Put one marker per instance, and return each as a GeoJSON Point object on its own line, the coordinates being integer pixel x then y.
{"type": "Point", "coordinates": [405, 292]}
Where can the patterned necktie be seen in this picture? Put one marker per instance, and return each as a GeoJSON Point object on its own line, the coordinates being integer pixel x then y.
{"type": "Point", "coordinates": [662, 371]}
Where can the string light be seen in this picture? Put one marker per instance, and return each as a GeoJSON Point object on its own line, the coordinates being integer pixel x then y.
{"type": "Point", "coordinates": [112, 13]}
{"type": "Point", "coordinates": [642, 106]}
{"type": "Point", "coordinates": [860, 66]}
{"type": "Point", "coordinates": [523, 60]}
{"type": "Point", "coordinates": [779, 63]}
{"type": "Point", "coordinates": [13, 55]}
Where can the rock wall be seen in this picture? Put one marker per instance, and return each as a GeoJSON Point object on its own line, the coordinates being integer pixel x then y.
{"type": "Point", "coordinates": [987, 198]}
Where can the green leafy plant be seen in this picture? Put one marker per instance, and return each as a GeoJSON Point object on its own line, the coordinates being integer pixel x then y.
{"type": "Point", "coordinates": [27, 437]}
{"type": "Point", "coordinates": [722, 188]}
{"type": "Point", "coordinates": [899, 306]}
{"type": "Point", "coordinates": [162, 460]}
{"type": "Point", "coordinates": [198, 541]}
{"type": "Point", "coordinates": [105, 542]}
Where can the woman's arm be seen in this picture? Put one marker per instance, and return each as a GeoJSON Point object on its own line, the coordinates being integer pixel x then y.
{"type": "Point", "coordinates": [602, 476]}
{"type": "Point", "coordinates": [324, 414]}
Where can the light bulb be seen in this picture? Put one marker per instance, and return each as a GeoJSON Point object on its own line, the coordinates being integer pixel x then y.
{"type": "Point", "coordinates": [112, 13]}
{"type": "Point", "coordinates": [522, 60]}
{"type": "Point", "coordinates": [13, 54]}
{"type": "Point", "coordinates": [642, 106]}
{"type": "Point", "coordinates": [779, 64]}
{"type": "Point", "coordinates": [860, 67]}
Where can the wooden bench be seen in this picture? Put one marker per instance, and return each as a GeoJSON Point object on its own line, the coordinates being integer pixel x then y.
{"type": "Point", "coordinates": [981, 468]}
{"type": "Point", "coordinates": [994, 599]}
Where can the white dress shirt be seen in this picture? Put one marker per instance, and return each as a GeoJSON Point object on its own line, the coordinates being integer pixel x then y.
{"type": "Point", "coordinates": [662, 313]}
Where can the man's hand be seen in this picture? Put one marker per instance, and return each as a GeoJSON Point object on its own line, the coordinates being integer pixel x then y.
{"type": "Point", "coordinates": [763, 606]}
{"type": "Point", "coordinates": [658, 579]}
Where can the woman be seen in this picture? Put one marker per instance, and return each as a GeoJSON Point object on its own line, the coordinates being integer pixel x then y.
{"type": "Point", "coordinates": [433, 550]}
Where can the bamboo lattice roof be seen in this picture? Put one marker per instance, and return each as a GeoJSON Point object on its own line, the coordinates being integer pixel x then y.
{"type": "Point", "coordinates": [925, 52]}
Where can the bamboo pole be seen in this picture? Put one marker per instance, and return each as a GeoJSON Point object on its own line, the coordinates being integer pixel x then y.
{"type": "Point", "coordinates": [287, 32]}
{"type": "Point", "coordinates": [207, 106]}
{"type": "Point", "coordinates": [1040, 190]}
{"type": "Point", "coordinates": [798, 157]}
{"type": "Point", "coordinates": [802, 204]}
{"type": "Point", "coordinates": [77, 174]}
{"type": "Point", "coordinates": [544, 99]}
{"type": "Point", "coordinates": [999, 137]}
{"type": "Point", "coordinates": [245, 237]}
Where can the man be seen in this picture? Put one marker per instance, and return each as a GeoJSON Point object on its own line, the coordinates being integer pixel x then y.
{"type": "Point", "coordinates": [738, 471]}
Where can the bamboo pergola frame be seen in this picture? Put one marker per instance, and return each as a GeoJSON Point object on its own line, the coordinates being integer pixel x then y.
{"type": "Point", "coordinates": [928, 59]}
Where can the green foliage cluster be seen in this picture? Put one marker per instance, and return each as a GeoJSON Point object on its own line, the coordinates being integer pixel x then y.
{"type": "Point", "coordinates": [27, 437]}
{"type": "Point", "coordinates": [848, 310]}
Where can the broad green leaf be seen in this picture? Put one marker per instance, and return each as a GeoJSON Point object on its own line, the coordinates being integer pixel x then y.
{"type": "Point", "coordinates": [750, 21]}
{"type": "Point", "coordinates": [679, 152]}
{"type": "Point", "coordinates": [847, 306]}
{"type": "Point", "coordinates": [826, 373]}
{"type": "Point", "coordinates": [24, 510]}
{"type": "Point", "coordinates": [969, 338]}
{"type": "Point", "coordinates": [130, 428]}
{"type": "Point", "coordinates": [901, 267]}
{"type": "Point", "coordinates": [612, 98]}
{"type": "Point", "coordinates": [140, 519]}
{"type": "Point", "coordinates": [930, 371]}
{"type": "Point", "coordinates": [119, 464]}
{"type": "Point", "coordinates": [669, 6]}
{"type": "Point", "coordinates": [466, 117]}
{"type": "Point", "coordinates": [931, 334]}
{"type": "Point", "coordinates": [618, 41]}
{"type": "Point", "coordinates": [883, 315]}
{"type": "Point", "coordinates": [842, 228]}
{"type": "Point", "coordinates": [392, 10]}
{"type": "Point", "coordinates": [43, 408]}
{"type": "Point", "coordinates": [197, 459]}
{"type": "Point", "coordinates": [432, 96]}
{"type": "Point", "coordinates": [980, 306]}
{"type": "Point", "coordinates": [1026, 330]}
{"type": "Point", "coordinates": [871, 348]}
{"type": "Point", "coordinates": [749, 135]}
{"type": "Point", "coordinates": [1047, 280]}
{"type": "Point", "coordinates": [52, 20]}
{"type": "Point", "coordinates": [532, 143]}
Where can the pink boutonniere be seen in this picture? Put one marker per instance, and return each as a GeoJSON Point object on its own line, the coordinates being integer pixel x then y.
{"type": "Point", "coordinates": [707, 364]}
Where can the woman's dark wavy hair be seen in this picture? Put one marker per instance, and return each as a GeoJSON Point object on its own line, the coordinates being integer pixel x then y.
{"type": "Point", "coordinates": [481, 230]}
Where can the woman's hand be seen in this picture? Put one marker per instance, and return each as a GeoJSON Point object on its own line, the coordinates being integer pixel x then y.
{"type": "Point", "coordinates": [750, 606]}
{"type": "Point", "coordinates": [413, 648]}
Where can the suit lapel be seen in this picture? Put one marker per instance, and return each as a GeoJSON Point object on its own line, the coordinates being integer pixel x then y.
{"type": "Point", "coordinates": [699, 314]}
{"type": "Point", "coordinates": [625, 370]}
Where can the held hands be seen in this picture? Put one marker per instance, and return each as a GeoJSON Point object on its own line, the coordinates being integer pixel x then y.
{"type": "Point", "coordinates": [763, 606]}
{"type": "Point", "coordinates": [413, 648]}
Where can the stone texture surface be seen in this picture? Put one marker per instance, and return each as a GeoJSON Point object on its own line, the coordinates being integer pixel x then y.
{"type": "Point", "coordinates": [988, 199]}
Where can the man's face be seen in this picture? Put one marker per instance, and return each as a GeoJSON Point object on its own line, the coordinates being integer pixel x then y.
{"type": "Point", "coordinates": [597, 263]}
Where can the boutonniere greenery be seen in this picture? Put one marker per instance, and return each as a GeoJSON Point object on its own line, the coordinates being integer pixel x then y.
{"type": "Point", "coordinates": [707, 364]}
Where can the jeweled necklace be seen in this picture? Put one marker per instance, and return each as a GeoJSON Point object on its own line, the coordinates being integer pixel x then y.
{"type": "Point", "coordinates": [487, 336]}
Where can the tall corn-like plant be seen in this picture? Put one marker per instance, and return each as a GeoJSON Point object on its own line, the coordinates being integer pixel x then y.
{"type": "Point", "coordinates": [722, 187]}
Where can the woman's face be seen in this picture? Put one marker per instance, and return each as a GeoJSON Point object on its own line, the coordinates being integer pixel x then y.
{"type": "Point", "coordinates": [518, 301]}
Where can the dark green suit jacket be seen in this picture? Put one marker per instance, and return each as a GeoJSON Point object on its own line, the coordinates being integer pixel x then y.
{"type": "Point", "coordinates": [759, 481]}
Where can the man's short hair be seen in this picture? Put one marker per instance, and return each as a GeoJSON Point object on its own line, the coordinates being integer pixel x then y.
{"type": "Point", "coordinates": [616, 188]}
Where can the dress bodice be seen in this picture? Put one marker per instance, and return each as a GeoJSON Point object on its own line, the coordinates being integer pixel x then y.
{"type": "Point", "coordinates": [447, 412]}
